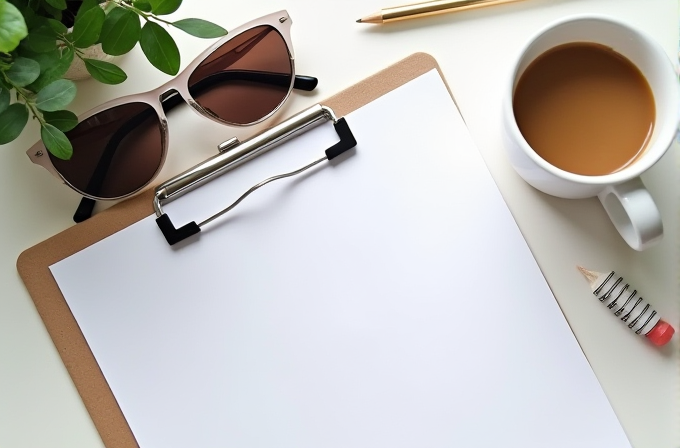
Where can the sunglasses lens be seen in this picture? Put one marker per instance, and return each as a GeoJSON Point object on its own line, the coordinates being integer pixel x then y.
{"type": "Point", "coordinates": [115, 152]}
{"type": "Point", "coordinates": [245, 79]}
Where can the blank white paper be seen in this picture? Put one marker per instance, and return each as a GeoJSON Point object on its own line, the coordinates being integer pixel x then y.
{"type": "Point", "coordinates": [386, 300]}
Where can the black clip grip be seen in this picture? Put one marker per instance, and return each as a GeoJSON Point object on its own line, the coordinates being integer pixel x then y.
{"type": "Point", "coordinates": [347, 140]}
{"type": "Point", "coordinates": [173, 235]}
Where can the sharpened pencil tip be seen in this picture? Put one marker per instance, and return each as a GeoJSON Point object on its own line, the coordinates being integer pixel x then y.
{"type": "Point", "coordinates": [376, 18]}
{"type": "Point", "coordinates": [591, 276]}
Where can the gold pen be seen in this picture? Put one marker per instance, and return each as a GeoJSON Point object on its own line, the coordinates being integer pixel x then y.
{"type": "Point", "coordinates": [404, 12]}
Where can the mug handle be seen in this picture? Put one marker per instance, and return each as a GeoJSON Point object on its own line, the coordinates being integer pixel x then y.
{"type": "Point", "coordinates": [633, 212]}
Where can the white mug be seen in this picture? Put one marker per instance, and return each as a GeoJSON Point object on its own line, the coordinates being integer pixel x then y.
{"type": "Point", "coordinates": [623, 195]}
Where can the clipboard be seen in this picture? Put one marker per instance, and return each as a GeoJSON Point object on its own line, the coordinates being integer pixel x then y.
{"type": "Point", "coordinates": [33, 264]}
{"type": "Point", "coordinates": [393, 311]}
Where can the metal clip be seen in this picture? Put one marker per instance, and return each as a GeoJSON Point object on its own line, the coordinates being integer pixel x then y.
{"type": "Point", "coordinates": [234, 153]}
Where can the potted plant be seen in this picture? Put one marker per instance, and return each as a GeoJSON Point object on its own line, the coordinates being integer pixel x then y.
{"type": "Point", "coordinates": [40, 39]}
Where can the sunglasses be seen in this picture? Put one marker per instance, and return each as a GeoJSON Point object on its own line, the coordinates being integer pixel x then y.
{"type": "Point", "coordinates": [120, 147]}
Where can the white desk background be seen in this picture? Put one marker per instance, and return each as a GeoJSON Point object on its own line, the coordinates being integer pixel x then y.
{"type": "Point", "coordinates": [39, 406]}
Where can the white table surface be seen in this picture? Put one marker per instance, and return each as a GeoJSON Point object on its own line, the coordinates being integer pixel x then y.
{"type": "Point", "coordinates": [39, 406]}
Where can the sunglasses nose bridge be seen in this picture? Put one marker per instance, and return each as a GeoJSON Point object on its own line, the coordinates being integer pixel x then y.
{"type": "Point", "coordinates": [170, 97]}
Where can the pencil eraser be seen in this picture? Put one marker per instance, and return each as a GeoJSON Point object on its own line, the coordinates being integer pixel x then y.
{"type": "Point", "coordinates": [661, 333]}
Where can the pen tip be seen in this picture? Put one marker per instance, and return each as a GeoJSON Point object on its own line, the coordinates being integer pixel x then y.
{"type": "Point", "coordinates": [358, 20]}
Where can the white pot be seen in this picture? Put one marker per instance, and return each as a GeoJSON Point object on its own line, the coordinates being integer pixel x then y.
{"type": "Point", "coordinates": [77, 70]}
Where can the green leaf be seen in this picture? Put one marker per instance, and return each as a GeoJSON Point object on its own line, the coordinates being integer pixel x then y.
{"type": "Point", "coordinates": [42, 39]}
{"type": "Point", "coordinates": [87, 27]}
{"type": "Point", "coordinates": [58, 4]}
{"type": "Point", "coordinates": [4, 100]}
{"type": "Point", "coordinates": [12, 122]}
{"type": "Point", "coordinates": [162, 7]}
{"type": "Point", "coordinates": [142, 6]}
{"type": "Point", "coordinates": [86, 6]}
{"type": "Point", "coordinates": [12, 27]}
{"type": "Point", "coordinates": [64, 120]}
{"type": "Point", "coordinates": [54, 12]}
{"type": "Point", "coordinates": [56, 96]}
{"type": "Point", "coordinates": [105, 72]}
{"type": "Point", "coordinates": [200, 28]}
{"type": "Point", "coordinates": [32, 19]}
{"type": "Point", "coordinates": [160, 49]}
{"type": "Point", "coordinates": [56, 142]}
{"type": "Point", "coordinates": [57, 26]}
{"type": "Point", "coordinates": [23, 71]}
{"type": "Point", "coordinates": [53, 65]}
{"type": "Point", "coordinates": [121, 31]}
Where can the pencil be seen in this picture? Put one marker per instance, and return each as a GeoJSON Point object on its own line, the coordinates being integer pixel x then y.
{"type": "Point", "coordinates": [413, 11]}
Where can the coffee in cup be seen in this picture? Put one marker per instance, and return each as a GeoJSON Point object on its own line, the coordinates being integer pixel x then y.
{"type": "Point", "coordinates": [585, 109]}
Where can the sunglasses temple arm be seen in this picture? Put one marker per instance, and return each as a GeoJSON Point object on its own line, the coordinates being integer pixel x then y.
{"type": "Point", "coordinates": [84, 210]}
{"type": "Point", "coordinates": [306, 83]}
{"type": "Point", "coordinates": [86, 206]}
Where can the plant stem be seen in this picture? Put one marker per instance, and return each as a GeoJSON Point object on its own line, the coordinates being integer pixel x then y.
{"type": "Point", "coordinates": [139, 12]}
{"type": "Point", "coordinates": [27, 101]}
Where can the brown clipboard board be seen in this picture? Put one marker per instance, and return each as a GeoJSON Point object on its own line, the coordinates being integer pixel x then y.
{"type": "Point", "coordinates": [33, 264]}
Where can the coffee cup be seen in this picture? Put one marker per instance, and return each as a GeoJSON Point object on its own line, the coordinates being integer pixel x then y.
{"type": "Point", "coordinates": [591, 104]}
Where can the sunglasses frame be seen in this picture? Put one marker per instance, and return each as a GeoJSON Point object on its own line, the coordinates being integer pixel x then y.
{"type": "Point", "coordinates": [179, 85]}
